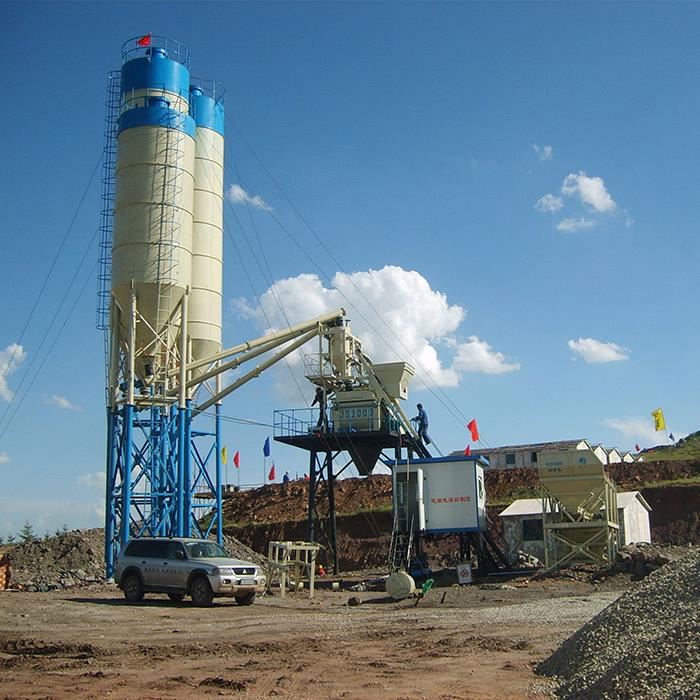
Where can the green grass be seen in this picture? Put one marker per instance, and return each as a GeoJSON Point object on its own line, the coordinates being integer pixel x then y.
{"type": "Point", "coordinates": [685, 449]}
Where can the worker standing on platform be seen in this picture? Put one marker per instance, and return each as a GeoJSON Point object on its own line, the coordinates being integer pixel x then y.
{"type": "Point", "coordinates": [320, 399]}
{"type": "Point", "coordinates": [422, 420]}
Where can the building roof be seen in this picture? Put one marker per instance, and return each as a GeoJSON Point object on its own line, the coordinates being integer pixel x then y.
{"type": "Point", "coordinates": [533, 506]}
{"type": "Point", "coordinates": [523, 506]}
{"type": "Point", "coordinates": [557, 445]}
{"type": "Point", "coordinates": [626, 497]}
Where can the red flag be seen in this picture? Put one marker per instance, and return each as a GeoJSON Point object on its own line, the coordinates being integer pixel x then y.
{"type": "Point", "coordinates": [473, 429]}
{"type": "Point", "coordinates": [271, 475]}
{"type": "Point", "coordinates": [468, 450]}
{"type": "Point", "coordinates": [237, 459]}
{"type": "Point", "coordinates": [636, 447]}
{"type": "Point", "coordinates": [144, 40]}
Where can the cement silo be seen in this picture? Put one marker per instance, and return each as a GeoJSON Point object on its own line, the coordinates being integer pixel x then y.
{"type": "Point", "coordinates": [154, 200]}
{"type": "Point", "coordinates": [207, 240]}
{"type": "Point", "coordinates": [160, 294]}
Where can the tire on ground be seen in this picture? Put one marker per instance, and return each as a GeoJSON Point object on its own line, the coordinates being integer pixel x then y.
{"type": "Point", "coordinates": [133, 588]}
{"type": "Point", "coordinates": [201, 592]}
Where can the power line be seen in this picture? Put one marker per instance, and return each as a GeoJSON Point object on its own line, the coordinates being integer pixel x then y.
{"type": "Point", "coordinates": [53, 264]}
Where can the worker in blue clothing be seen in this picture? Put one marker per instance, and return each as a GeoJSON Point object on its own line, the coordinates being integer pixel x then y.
{"type": "Point", "coordinates": [422, 420]}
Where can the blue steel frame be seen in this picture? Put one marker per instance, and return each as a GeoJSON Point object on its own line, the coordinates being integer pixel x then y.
{"type": "Point", "coordinates": [163, 476]}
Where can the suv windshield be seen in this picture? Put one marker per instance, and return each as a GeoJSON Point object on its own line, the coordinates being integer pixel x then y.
{"type": "Point", "coordinates": [204, 550]}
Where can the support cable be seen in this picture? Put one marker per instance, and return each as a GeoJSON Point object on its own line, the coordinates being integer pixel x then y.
{"type": "Point", "coordinates": [49, 351]}
{"type": "Point", "coordinates": [53, 264]}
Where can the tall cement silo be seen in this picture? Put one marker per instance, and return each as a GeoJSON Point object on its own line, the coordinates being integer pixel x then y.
{"type": "Point", "coordinates": [160, 296]}
{"type": "Point", "coordinates": [207, 241]}
{"type": "Point", "coordinates": [154, 200]}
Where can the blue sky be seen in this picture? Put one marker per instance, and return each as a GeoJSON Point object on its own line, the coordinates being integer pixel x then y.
{"type": "Point", "coordinates": [513, 184]}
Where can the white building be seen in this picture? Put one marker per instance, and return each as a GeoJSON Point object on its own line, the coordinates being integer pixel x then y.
{"type": "Point", "coordinates": [518, 456]}
{"type": "Point", "coordinates": [614, 457]}
{"type": "Point", "coordinates": [522, 524]}
{"type": "Point", "coordinates": [521, 456]}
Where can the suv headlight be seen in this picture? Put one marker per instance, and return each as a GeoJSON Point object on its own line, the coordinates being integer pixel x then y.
{"type": "Point", "coordinates": [222, 571]}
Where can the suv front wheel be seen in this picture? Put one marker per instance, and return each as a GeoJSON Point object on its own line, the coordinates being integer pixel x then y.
{"type": "Point", "coordinates": [133, 588]}
{"type": "Point", "coordinates": [201, 592]}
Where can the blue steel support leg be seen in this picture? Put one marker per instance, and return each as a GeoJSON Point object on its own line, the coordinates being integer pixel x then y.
{"type": "Point", "coordinates": [110, 515]}
{"type": "Point", "coordinates": [217, 447]}
{"type": "Point", "coordinates": [188, 469]}
{"type": "Point", "coordinates": [162, 471]}
{"type": "Point", "coordinates": [128, 462]}
{"type": "Point", "coordinates": [183, 448]}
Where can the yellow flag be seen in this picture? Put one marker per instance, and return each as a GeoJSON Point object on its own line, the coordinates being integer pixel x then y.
{"type": "Point", "coordinates": [224, 454]}
{"type": "Point", "coordinates": [659, 422]}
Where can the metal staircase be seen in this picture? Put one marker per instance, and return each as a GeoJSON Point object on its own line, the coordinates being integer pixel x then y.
{"type": "Point", "coordinates": [401, 547]}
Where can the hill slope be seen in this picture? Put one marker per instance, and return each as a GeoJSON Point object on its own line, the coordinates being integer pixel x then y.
{"type": "Point", "coordinates": [686, 448]}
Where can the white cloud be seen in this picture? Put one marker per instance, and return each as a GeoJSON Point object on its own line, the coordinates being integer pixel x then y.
{"type": "Point", "coordinates": [590, 190]}
{"type": "Point", "coordinates": [477, 355]}
{"type": "Point", "coordinates": [10, 359]}
{"type": "Point", "coordinates": [92, 480]}
{"type": "Point", "coordinates": [395, 313]}
{"type": "Point", "coordinates": [574, 224]}
{"type": "Point", "coordinates": [238, 195]}
{"type": "Point", "coordinates": [595, 351]}
{"type": "Point", "coordinates": [4, 458]}
{"type": "Point", "coordinates": [549, 202]}
{"type": "Point", "coordinates": [63, 402]}
{"type": "Point", "coordinates": [638, 430]}
{"type": "Point", "coordinates": [543, 152]}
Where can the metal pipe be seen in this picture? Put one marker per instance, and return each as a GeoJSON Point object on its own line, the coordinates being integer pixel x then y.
{"type": "Point", "coordinates": [331, 507]}
{"type": "Point", "coordinates": [312, 495]}
{"type": "Point", "coordinates": [132, 348]}
{"type": "Point", "coordinates": [182, 389]}
{"type": "Point", "coordinates": [257, 371]}
{"type": "Point", "coordinates": [109, 510]}
{"type": "Point", "coordinates": [217, 443]}
{"type": "Point", "coordinates": [126, 479]}
{"type": "Point", "coordinates": [217, 371]}
{"type": "Point", "coordinates": [287, 334]}
{"type": "Point", "coordinates": [113, 377]}
{"type": "Point", "coordinates": [188, 469]}
{"type": "Point", "coordinates": [180, 493]}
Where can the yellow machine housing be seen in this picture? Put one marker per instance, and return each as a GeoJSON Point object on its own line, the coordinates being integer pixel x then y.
{"type": "Point", "coordinates": [579, 508]}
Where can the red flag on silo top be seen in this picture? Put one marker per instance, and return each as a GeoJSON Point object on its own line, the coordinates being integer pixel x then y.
{"type": "Point", "coordinates": [271, 475]}
{"type": "Point", "coordinates": [144, 40]}
{"type": "Point", "coordinates": [468, 450]}
{"type": "Point", "coordinates": [237, 459]}
{"type": "Point", "coordinates": [473, 429]}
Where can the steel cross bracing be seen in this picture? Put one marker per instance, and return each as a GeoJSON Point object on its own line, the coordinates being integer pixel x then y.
{"type": "Point", "coordinates": [164, 448]}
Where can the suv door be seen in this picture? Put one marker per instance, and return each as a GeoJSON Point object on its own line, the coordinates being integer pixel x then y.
{"type": "Point", "coordinates": [175, 567]}
{"type": "Point", "coordinates": [153, 562]}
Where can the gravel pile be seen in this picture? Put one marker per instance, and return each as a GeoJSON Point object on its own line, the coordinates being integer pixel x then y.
{"type": "Point", "coordinates": [645, 645]}
{"type": "Point", "coordinates": [66, 560]}
{"type": "Point", "coordinates": [76, 558]}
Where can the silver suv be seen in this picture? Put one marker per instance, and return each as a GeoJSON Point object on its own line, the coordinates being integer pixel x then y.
{"type": "Point", "coordinates": [180, 566]}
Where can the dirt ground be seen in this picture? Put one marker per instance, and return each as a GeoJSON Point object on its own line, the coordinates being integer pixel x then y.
{"type": "Point", "coordinates": [473, 642]}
